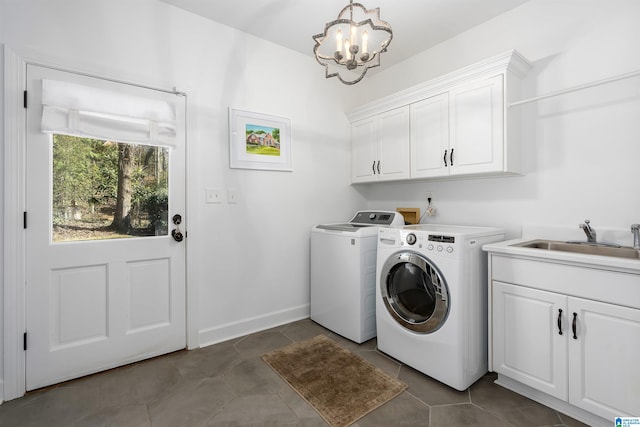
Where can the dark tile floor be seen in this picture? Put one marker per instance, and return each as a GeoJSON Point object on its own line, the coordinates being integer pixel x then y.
{"type": "Point", "coordinates": [229, 385]}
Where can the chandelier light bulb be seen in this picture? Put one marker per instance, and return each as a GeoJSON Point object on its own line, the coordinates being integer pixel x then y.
{"type": "Point", "coordinates": [365, 41]}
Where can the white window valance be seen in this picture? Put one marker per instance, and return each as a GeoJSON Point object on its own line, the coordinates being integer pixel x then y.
{"type": "Point", "coordinates": [85, 111]}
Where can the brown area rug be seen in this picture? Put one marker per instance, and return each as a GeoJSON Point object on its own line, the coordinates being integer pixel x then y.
{"type": "Point", "coordinates": [341, 386]}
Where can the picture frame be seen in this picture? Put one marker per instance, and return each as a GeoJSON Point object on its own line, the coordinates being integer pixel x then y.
{"type": "Point", "coordinates": [259, 141]}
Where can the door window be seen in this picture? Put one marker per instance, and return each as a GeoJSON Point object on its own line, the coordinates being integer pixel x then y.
{"type": "Point", "coordinates": [105, 190]}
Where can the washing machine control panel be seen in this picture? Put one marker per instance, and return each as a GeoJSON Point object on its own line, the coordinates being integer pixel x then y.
{"type": "Point", "coordinates": [379, 218]}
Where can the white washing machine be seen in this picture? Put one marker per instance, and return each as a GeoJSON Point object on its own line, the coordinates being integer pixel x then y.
{"type": "Point", "coordinates": [343, 273]}
{"type": "Point", "coordinates": [431, 299]}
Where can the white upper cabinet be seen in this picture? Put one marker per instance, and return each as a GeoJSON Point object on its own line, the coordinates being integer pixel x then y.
{"type": "Point", "coordinates": [393, 144]}
{"type": "Point", "coordinates": [364, 149]}
{"type": "Point", "coordinates": [430, 137]}
{"type": "Point", "coordinates": [380, 147]}
{"type": "Point", "coordinates": [460, 125]}
{"type": "Point", "coordinates": [476, 123]}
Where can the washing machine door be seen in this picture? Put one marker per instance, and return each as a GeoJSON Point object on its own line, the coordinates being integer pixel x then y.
{"type": "Point", "coordinates": [414, 292]}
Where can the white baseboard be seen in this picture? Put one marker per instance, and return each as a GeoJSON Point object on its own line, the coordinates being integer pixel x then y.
{"type": "Point", "coordinates": [553, 403]}
{"type": "Point", "coordinates": [251, 325]}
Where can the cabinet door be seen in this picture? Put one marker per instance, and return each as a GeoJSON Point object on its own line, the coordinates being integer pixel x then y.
{"type": "Point", "coordinates": [476, 115]}
{"type": "Point", "coordinates": [430, 137]}
{"type": "Point", "coordinates": [527, 345]}
{"type": "Point", "coordinates": [364, 150]}
{"type": "Point", "coordinates": [604, 366]}
{"type": "Point", "coordinates": [393, 144]}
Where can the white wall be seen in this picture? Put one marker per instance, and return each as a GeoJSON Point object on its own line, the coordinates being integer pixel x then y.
{"type": "Point", "coordinates": [582, 150]}
{"type": "Point", "coordinates": [250, 260]}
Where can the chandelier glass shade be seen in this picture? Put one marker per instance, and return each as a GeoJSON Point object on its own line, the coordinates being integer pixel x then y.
{"type": "Point", "coordinates": [352, 44]}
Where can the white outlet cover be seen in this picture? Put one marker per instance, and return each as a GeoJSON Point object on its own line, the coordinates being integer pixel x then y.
{"type": "Point", "coordinates": [232, 196]}
{"type": "Point", "coordinates": [212, 195]}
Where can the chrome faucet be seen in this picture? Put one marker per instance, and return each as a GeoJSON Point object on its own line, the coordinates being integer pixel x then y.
{"type": "Point", "coordinates": [635, 229]}
{"type": "Point", "coordinates": [590, 232]}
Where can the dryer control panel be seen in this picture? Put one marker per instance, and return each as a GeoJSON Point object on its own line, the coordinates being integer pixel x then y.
{"type": "Point", "coordinates": [421, 241]}
{"type": "Point", "coordinates": [441, 239]}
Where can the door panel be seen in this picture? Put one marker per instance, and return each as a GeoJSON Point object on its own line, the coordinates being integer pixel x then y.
{"type": "Point", "coordinates": [430, 137]}
{"type": "Point", "coordinates": [527, 345]}
{"type": "Point", "coordinates": [393, 144]}
{"type": "Point", "coordinates": [96, 304]}
{"type": "Point", "coordinates": [73, 325]}
{"type": "Point", "coordinates": [477, 126]}
{"type": "Point", "coordinates": [364, 150]}
{"type": "Point", "coordinates": [603, 359]}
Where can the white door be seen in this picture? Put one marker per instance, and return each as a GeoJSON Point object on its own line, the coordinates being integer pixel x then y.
{"type": "Point", "coordinates": [364, 149]}
{"type": "Point", "coordinates": [393, 144]}
{"type": "Point", "coordinates": [98, 298]}
{"type": "Point", "coordinates": [477, 127]}
{"type": "Point", "coordinates": [430, 137]}
{"type": "Point", "coordinates": [603, 358]}
{"type": "Point", "coordinates": [529, 337]}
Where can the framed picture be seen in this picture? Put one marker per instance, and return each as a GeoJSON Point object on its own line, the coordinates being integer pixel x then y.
{"type": "Point", "coordinates": [259, 141]}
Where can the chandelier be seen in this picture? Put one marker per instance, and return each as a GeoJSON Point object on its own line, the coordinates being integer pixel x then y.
{"type": "Point", "coordinates": [352, 44]}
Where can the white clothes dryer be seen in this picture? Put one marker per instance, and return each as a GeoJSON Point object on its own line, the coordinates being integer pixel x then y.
{"type": "Point", "coordinates": [343, 273]}
{"type": "Point", "coordinates": [431, 299]}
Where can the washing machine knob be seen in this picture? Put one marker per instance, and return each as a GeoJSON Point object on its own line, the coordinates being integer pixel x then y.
{"type": "Point", "coordinates": [411, 238]}
{"type": "Point", "coordinates": [372, 216]}
{"type": "Point", "coordinates": [449, 249]}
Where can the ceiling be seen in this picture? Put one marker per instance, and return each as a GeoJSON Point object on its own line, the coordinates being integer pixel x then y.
{"type": "Point", "coordinates": [417, 24]}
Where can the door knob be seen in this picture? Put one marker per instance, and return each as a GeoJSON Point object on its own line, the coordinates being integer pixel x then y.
{"type": "Point", "coordinates": [177, 235]}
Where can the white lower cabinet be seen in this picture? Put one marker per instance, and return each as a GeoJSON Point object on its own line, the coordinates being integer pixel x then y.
{"type": "Point", "coordinates": [526, 344]}
{"type": "Point", "coordinates": [577, 350]}
{"type": "Point", "coordinates": [604, 358]}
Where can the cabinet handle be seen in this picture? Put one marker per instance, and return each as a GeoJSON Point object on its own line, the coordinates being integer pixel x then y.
{"type": "Point", "coordinates": [560, 321]}
{"type": "Point", "coordinates": [373, 167]}
{"type": "Point", "coordinates": [378, 167]}
{"type": "Point", "coordinates": [451, 157]}
{"type": "Point", "coordinates": [445, 158]}
{"type": "Point", "coordinates": [573, 325]}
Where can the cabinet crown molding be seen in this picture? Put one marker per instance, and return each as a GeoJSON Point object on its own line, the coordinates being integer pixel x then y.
{"type": "Point", "coordinates": [511, 61]}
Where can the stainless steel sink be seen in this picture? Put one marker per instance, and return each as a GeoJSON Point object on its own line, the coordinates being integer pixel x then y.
{"type": "Point", "coordinates": [582, 248]}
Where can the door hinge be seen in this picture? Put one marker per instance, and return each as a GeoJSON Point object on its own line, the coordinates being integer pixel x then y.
{"type": "Point", "coordinates": [24, 99]}
{"type": "Point", "coordinates": [24, 219]}
{"type": "Point", "coordinates": [24, 341]}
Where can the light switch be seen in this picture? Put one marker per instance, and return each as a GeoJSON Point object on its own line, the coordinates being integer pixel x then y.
{"type": "Point", "coordinates": [212, 195]}
{"type": "Point", "coordinates": [232, 196]}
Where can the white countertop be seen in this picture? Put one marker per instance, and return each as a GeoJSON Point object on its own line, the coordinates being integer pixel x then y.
{"type": "Point", "coordinates": [595, 261]}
